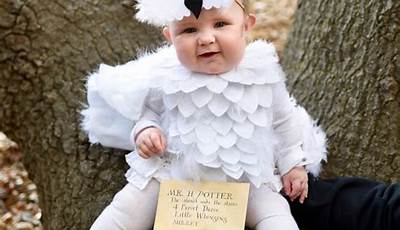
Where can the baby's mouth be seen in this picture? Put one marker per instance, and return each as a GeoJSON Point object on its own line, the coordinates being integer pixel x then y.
{"type": "Point", "coordinates": [208, 54]}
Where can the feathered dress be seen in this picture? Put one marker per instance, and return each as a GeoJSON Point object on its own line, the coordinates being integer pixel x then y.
{"type": "Point", "coordinates": [238, 126]}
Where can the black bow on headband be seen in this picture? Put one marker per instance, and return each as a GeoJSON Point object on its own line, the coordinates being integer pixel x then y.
{"type": "Point", "coordinates": [194, 6]}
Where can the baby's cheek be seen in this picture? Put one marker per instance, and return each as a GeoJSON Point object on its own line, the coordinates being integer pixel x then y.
{"type": "Point", "coordinates": [235, 56]}
{"type": "Point", "coordinates": [185, 60]}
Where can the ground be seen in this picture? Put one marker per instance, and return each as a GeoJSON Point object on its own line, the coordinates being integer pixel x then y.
{"type": "Point", "coordinates": [19, 208]}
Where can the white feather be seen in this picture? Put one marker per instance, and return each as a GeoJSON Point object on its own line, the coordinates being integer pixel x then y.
{"type": "Point", "coordinates": [205, 159]}
{"type": "Point", "coordinates": [252, 169]}
{"type": "Point", "coordinates": [207, 148]}
{"type": "Point", "coordinates": [216, 85]}
{"type": "Point", "coordinates": [237, 114]}
{"type": "Point", "coordinates": [204, 116]}
{"type": "Point", "coordinates": [199, 79]}
{"type": "Point", "coordinates": [186, 106]}
{"type": "Point", "coordinates": [171, 100]}
{"type": "Point", "coordinates": [191, 84]}
{"type": "Point", "coordinates": [173, 129]}
{"type": "Point", "coordinates": [201, 97]}
{"type": "Point", "coordinates": [314, 142]}
{"type": "Point", "coordinates": [232, 76]}
{"type": "Point", "coordinates": [230, 156]}
{"type": "Point", "coordinates": [185, 125]}
{"type": "Point", "coordinates": [119, 95]}
{"type": "Point", "coordinates": [208, 4]}
{"type": "Point", "coordinates": [188, 138]}
{"type": "Point", "coordinates": [218, 105]}
{"type": "Point", "coordinates": [173, 68]}
{"type": "Point", "coordinates": [234, 174]}
{"type": "Point", "coordinates": [160, 12]}
{"type": "Point", "coordinates": [249, 101]}
{"type": "Point", "coordinates": [244, 129]}
{"type": "Point", "coordinates": [205, 133]}
{"type": "Point", "coordinates": [232, 167]}
{"type": "Point", "coordinates": [246, 146]}
{"type": "Point", "coordinates": [213, 164]}
{"type": "Point", "coordinates": [234, 92]}
{"type": "Point", "coordinates": [250, 159]}
{"type": "Point", "coordinates": [222, 124]}
{"type": "Point", "coordinates": [264, 93]}
{"type": "Point", "coordinates": [227, 141]}
{"type": "Point", "coordinates": [171, 87]}
{"type": "Point", "coordinates": [155, 12]}
{"type": "Point", "coordinates": [261, 57]}
{"type": "Point", "coordinates": [249, 79]}
{"type": "Point", "coordinates": [261, 117]}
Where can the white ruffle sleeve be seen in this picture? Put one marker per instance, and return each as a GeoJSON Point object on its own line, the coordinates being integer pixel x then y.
{"type": "Point", "coordinates": [288, 129]}
{"type": "Point", "coordinates": [301, 141]}
{"type": "Point", "coordinates": [117, 99]}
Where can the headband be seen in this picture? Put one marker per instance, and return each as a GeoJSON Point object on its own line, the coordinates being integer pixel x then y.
{"type": "Point", "coordinates": [162, 12]}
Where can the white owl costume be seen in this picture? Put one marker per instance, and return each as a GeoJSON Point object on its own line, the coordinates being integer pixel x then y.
{"type": "Point", "coordinates": [239, 125]}
{"type": "Point", "coordinates": [236, 126]}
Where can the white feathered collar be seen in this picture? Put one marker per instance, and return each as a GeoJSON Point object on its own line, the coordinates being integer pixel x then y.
{"type": "Point", "coordinates": [260, 65]}
{"type": "Point", "coordinates": [120, 84]}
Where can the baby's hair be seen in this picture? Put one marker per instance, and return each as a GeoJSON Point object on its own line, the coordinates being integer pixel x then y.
{"type": "Point", "coordinates": [244, 4]}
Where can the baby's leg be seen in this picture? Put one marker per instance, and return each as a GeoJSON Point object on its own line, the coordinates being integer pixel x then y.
{"type": "Point", "coordinates": [268, 210]}
{"type": "Point", "coordinates": [130, 209]}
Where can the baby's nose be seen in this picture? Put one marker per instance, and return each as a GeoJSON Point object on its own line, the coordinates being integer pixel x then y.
{"type": "Point", "coordinates": [206, 38]}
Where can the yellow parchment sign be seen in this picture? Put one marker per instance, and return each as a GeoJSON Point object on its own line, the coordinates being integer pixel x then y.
{"type": "Point", "coordinates": [201, 205]}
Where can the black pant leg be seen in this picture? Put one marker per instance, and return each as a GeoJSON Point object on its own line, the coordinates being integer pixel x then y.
{"type": "Point", "coordinates": [349, 203]}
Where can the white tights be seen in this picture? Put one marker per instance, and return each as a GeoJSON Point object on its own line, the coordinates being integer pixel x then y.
{"type": "Point", "coordinates": [134, 209]}
{"type": "Point", "coordinates": [267, 210]}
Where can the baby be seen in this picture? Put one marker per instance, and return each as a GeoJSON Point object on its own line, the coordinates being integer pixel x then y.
{"type": "Point", "coordinates": [209, 108]}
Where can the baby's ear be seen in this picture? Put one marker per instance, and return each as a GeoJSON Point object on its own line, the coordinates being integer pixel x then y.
{"type": "Point", "coordinates": [167, 34]}
{"type": "Point", "coordinates": [250, 22]}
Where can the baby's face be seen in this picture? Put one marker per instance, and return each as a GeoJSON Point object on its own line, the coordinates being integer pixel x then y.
{"type": "Point", "coordinates": [215, 42]}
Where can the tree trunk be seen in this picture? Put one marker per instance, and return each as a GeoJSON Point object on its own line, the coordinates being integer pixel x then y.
{"type": "Point", "coordinates": [343, 64]}
{"type": "Point", "coordinates": [46, 50]}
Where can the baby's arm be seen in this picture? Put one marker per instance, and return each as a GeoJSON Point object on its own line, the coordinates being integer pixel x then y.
{"type": "Point", "coordinates": [290, 156]}
{"type": "Point", "coordinates": [147, 134]}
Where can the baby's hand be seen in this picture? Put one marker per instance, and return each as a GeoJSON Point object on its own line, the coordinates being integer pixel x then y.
{"type": "Point", "coordinates": [295, 183]}
{"type": "Point", "coordinates": [149, 142]}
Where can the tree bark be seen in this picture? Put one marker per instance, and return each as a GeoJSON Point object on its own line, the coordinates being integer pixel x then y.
{"type": "Point", "coordinates": [46, 50]}
{"type": "Point", "coordinates": [343, 64]}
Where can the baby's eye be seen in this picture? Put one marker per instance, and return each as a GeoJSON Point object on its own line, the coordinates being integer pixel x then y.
{"type": "Point", "coordinates": [189, 30]}
{"type": "Point", "coordinates": [220, 24]}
